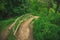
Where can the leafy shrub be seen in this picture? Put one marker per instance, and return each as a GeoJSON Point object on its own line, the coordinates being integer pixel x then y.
{"type": "Point", "coordinates": [44, 30]}
{"type": "Point", "coordinates": [56, 21]}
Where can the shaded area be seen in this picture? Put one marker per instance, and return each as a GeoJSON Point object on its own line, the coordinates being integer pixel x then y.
{"type": "Point", "coordinates": [56, 21]}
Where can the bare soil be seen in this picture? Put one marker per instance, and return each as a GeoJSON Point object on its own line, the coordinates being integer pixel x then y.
{"type": "Point", "coordinates": [23, 33]}
{"type": "Point", "coordinates": [25, 30]}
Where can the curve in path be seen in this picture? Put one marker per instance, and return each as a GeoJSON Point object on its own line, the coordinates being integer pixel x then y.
{"type": "Point", "coordinates": [25, 30]}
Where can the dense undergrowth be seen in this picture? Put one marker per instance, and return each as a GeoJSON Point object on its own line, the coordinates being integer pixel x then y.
{"type": "Point", "coordinates": [47, 27]}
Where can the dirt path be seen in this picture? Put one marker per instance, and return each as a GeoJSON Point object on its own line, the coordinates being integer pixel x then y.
{"type": "Point", "coordinates": [25, 30]}
{"type": "Point", "coordinates": [4, 34]}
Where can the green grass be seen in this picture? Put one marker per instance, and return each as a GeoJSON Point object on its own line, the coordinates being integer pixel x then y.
{"type": "Point", "coordinates": [5, 23]}
{"type": "Point", "coordinates": [21, 18]}
{"type": "Point", "coordinates": [11, 36]}
{"type": "Point", "coordinates": [47, 27]}
{"type": "Point", "coordinates": [44, 30]}
{"type": "Point", "coordinates": [56, 21]}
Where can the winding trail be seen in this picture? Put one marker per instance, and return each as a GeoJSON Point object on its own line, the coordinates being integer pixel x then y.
{"type": "Point", "coordinates": [25, 30]}
{"type": "Point", "coordinates": [5, 34]}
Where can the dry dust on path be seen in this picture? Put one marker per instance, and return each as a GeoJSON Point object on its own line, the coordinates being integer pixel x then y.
{"type": "Point", "coordinates": [25, 30]}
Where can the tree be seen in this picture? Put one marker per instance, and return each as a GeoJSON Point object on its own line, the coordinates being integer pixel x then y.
{"type": "Point", "coordinates": [9, 8]}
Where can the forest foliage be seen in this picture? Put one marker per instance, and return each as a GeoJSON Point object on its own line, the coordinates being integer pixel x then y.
{"type": "Point", "coordinates": [47, 27]}
{"type": "Point", "coordinates": [11, 8]}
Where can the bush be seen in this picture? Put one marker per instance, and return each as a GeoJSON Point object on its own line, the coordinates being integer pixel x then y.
{"type": "Point", "coordinates": [45, 30]}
